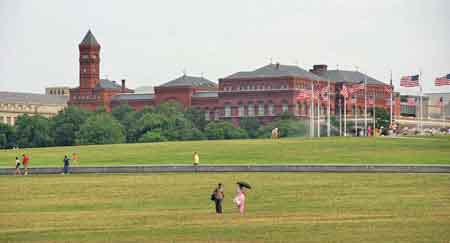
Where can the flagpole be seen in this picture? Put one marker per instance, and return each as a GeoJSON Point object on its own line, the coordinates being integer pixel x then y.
{"type": "Point", "coordinates": [374, 116]}
{"type": "Point", "coordinates": [345, 117]}
{"type": "Point", "coordinates": [329, 110]}
{"type": "Point", "coordinates": [356, 115]}
{"type": "Point", "coordinates": [318, 116]}
{"type": "Point", "coordinates": [421, 104]}
{"type": "Point", "coordinates": [390, 108]}
{"type": "Point", "coordinates": [365, 106]}
{"type": "Point", "coordinates": [312, 110]}
{"type": "Point", "coordinates": [340, 117]}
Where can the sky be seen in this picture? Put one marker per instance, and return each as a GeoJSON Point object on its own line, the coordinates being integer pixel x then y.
{"type": "Point", "coordinates": [152, 42]}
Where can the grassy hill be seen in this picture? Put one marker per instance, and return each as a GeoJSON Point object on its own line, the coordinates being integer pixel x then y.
{"type": "Point", "coordinates": [282, 207]}
{"type": "Point", "coordinates": [381, 150]}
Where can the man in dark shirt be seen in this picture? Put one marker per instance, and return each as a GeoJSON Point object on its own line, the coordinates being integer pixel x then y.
{"type": "Point", "coordinates": [218, 198]}
{"type": "Point", "coordinates": [66, 164]}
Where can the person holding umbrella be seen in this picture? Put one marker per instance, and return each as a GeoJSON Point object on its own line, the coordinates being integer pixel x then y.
{"type": "Point", "coordinates": [239, 200]}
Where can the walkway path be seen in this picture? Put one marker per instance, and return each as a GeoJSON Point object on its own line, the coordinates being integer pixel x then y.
{"type": "Point", "coordinates": [241, 168]}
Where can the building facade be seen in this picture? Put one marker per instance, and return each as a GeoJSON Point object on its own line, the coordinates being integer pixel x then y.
{"type": "Point", "coordinates": [14, 104]}
{"type": "Point", "coordinates": [264, 93]}
{"type": "Point", "coordinates": [93, 92]}
{"type": "Point", "coordinates": [58, 90]}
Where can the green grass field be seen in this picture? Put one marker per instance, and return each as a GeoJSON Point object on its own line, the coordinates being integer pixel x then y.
{"type": "Point", "coordinates": [282, 207]}
{"type": "Point", "coordinates": [426, 150]}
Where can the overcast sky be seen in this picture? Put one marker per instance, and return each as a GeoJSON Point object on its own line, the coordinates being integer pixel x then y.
{"type": "Point", "coordinates": [152, 42]}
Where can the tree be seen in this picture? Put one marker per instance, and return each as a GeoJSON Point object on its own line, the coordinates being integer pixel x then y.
{"type": "Point", "coordinates": [381, 118]}
{"type": "Point", "coordinates": [7, 136]}
{"type": "Point", "coordinates": [66, 124]}
{"type": "Point", "coordinates": [127, 118]}
{"type": "Point", "coordinates": [224, 130]}
{"type": "Point", "coordinates": [100, 128]}
{"type": "Point", "coordinates": [33, 131]}
{"type": "Point", "coordinates": [287, 116]}
{"type": "Point", "coordinates": [152, 136]}
{"type": "Point", "coordinates": [250, 125]}
{"type": "Point", "coordinates": [196, 117]}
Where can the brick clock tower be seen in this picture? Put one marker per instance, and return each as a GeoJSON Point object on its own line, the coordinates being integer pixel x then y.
{"type": "Point", "coordinates": [93, 92]}
{"type": "Point", "coordinates": [89, 62]}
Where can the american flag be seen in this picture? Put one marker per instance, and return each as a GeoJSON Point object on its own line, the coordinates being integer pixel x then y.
{"type": "Point", "coordinates": [357, 87]}
{"type": "Point", "coordinates": [388, 89]}
{"type": "Point", "coordinates": [409, 81]}
{"type": "Point", "coordinates": [304, 95]}
{"type": "Point", "coordinates": [345, 91]}
{"type": "Point", "coordinates": [442, 80]}
{"type": "Point", "coordinates": [317, 91]}
{"type": "Point", "coordinates": [411, 101]}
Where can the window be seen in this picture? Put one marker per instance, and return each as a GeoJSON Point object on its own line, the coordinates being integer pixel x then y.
{"type": "Point", "coordinates": [271, 109]}
{"type": "Point", "coordinates": [207, 115]}
{"type": "Point", "coordinates": [285, 107]}
{"type": "Point", "coordinates": [251, 110]}
{"type": "Point", "coordinates": [216, 115]}
{"type": "Point", "coordinates": [261, 109]}
{"type": "Point", "coordinates": [227, 110]}
{"type": "Point", "coordinates": [241, 110]}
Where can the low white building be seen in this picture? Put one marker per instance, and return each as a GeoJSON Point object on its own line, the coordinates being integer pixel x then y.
{"type": "Point", "coordinates": [14, 104]}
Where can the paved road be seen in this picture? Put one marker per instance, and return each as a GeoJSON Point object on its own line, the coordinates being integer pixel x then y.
{"type": "Point", "coordinates": [241, 168]}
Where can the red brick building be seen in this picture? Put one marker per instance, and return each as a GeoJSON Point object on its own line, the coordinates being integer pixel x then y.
{"type": "Point", "coordinates": [263, 93]}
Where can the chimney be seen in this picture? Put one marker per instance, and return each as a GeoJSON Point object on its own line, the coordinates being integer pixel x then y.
{"type": "Point", "coordinates": [320, 68]}
{"type": "Point", "coordinates": [277, 65]}
{"type": "Point", "coordinates": [123, 85]}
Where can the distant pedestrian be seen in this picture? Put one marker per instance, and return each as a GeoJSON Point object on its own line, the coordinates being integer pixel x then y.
{"type": "Point", "coordinates": [218, 194]}
{"type": "Point", "coordinates": [369, 131]}
{"type": "Point", "coordinates": [196, 158]}
{"type": "Point", "coordinates": [25, 162]}
{"type": "Point", "coordinates": [18, 166]}
{"type": "Point", "coordinates": [75, 159]}
{"type": "Point", "coordinates": [275, 133]}
{"type": "Point", "coordinates": [239, 200]}
{"type": "Point", "coordinates": [66, 164]}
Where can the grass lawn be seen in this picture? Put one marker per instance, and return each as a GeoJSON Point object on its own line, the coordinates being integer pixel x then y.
{"type": "Point", "coordinates": [282, 207]}
{"type": "Point", "coordinates": [415, 150]}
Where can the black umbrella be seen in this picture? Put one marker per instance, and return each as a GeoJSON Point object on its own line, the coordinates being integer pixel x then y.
{"type": "Point", "coordinates": [244, 184]}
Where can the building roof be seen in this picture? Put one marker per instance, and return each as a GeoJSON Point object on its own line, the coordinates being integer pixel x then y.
{"type": "Point", "coordinates": [89, 40]}
{"type": "Point", "coordinates": [144, 90]}
{"type": "Point", "coordinates": [108, 84]}
{"type": "Point", "coordinates": [342, 76]}
{"type": "Point", "coordinates": [206, 94]}
{"type": "Point", "coordinates": [30, 98]}
{"type": "Point", "coordinates": [276, 70]}
{"type": "Point", "coordinates": [190, 81]}
{"type": "Point", "coordinates": [128, 97]}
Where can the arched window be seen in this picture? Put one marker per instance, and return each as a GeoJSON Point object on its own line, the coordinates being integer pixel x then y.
{"type": "Point", "coordinates": [271, 113]}
{"type": "Point", "coordinates": [251, 110]}
{"type": "Point", "coordinates": [227, 110]}
{"type": "Point", "coordinates": [241, 110]}
{"type": "Point", "coordinates": [261, 109]}
{"type": "Point", "coordinates": [285, 107]}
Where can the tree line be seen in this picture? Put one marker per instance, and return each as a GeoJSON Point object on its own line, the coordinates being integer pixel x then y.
{"type": "Point", "coordinates": [165, 122]}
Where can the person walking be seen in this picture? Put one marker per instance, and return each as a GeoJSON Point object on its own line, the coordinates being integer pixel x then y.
{"type": "Point", "coordinates": [25, 162]}
{"type": "Point", "coordinates": [196, 158]}
{"type": "Point", "coordinates": [66, 164]}
{"type": "Point", "coordinates": [239, 200]}
{"type": "Point", "coordinates": [18, 166]}
{"type": "Point", "coordinates": [218, 197]}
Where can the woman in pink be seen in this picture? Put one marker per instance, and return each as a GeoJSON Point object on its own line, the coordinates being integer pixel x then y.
{"type": "Point", "coordinates": [240, 199]}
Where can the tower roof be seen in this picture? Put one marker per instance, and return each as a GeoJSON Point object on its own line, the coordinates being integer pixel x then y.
{"type": "Point", "coordinates": [89, 40]}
